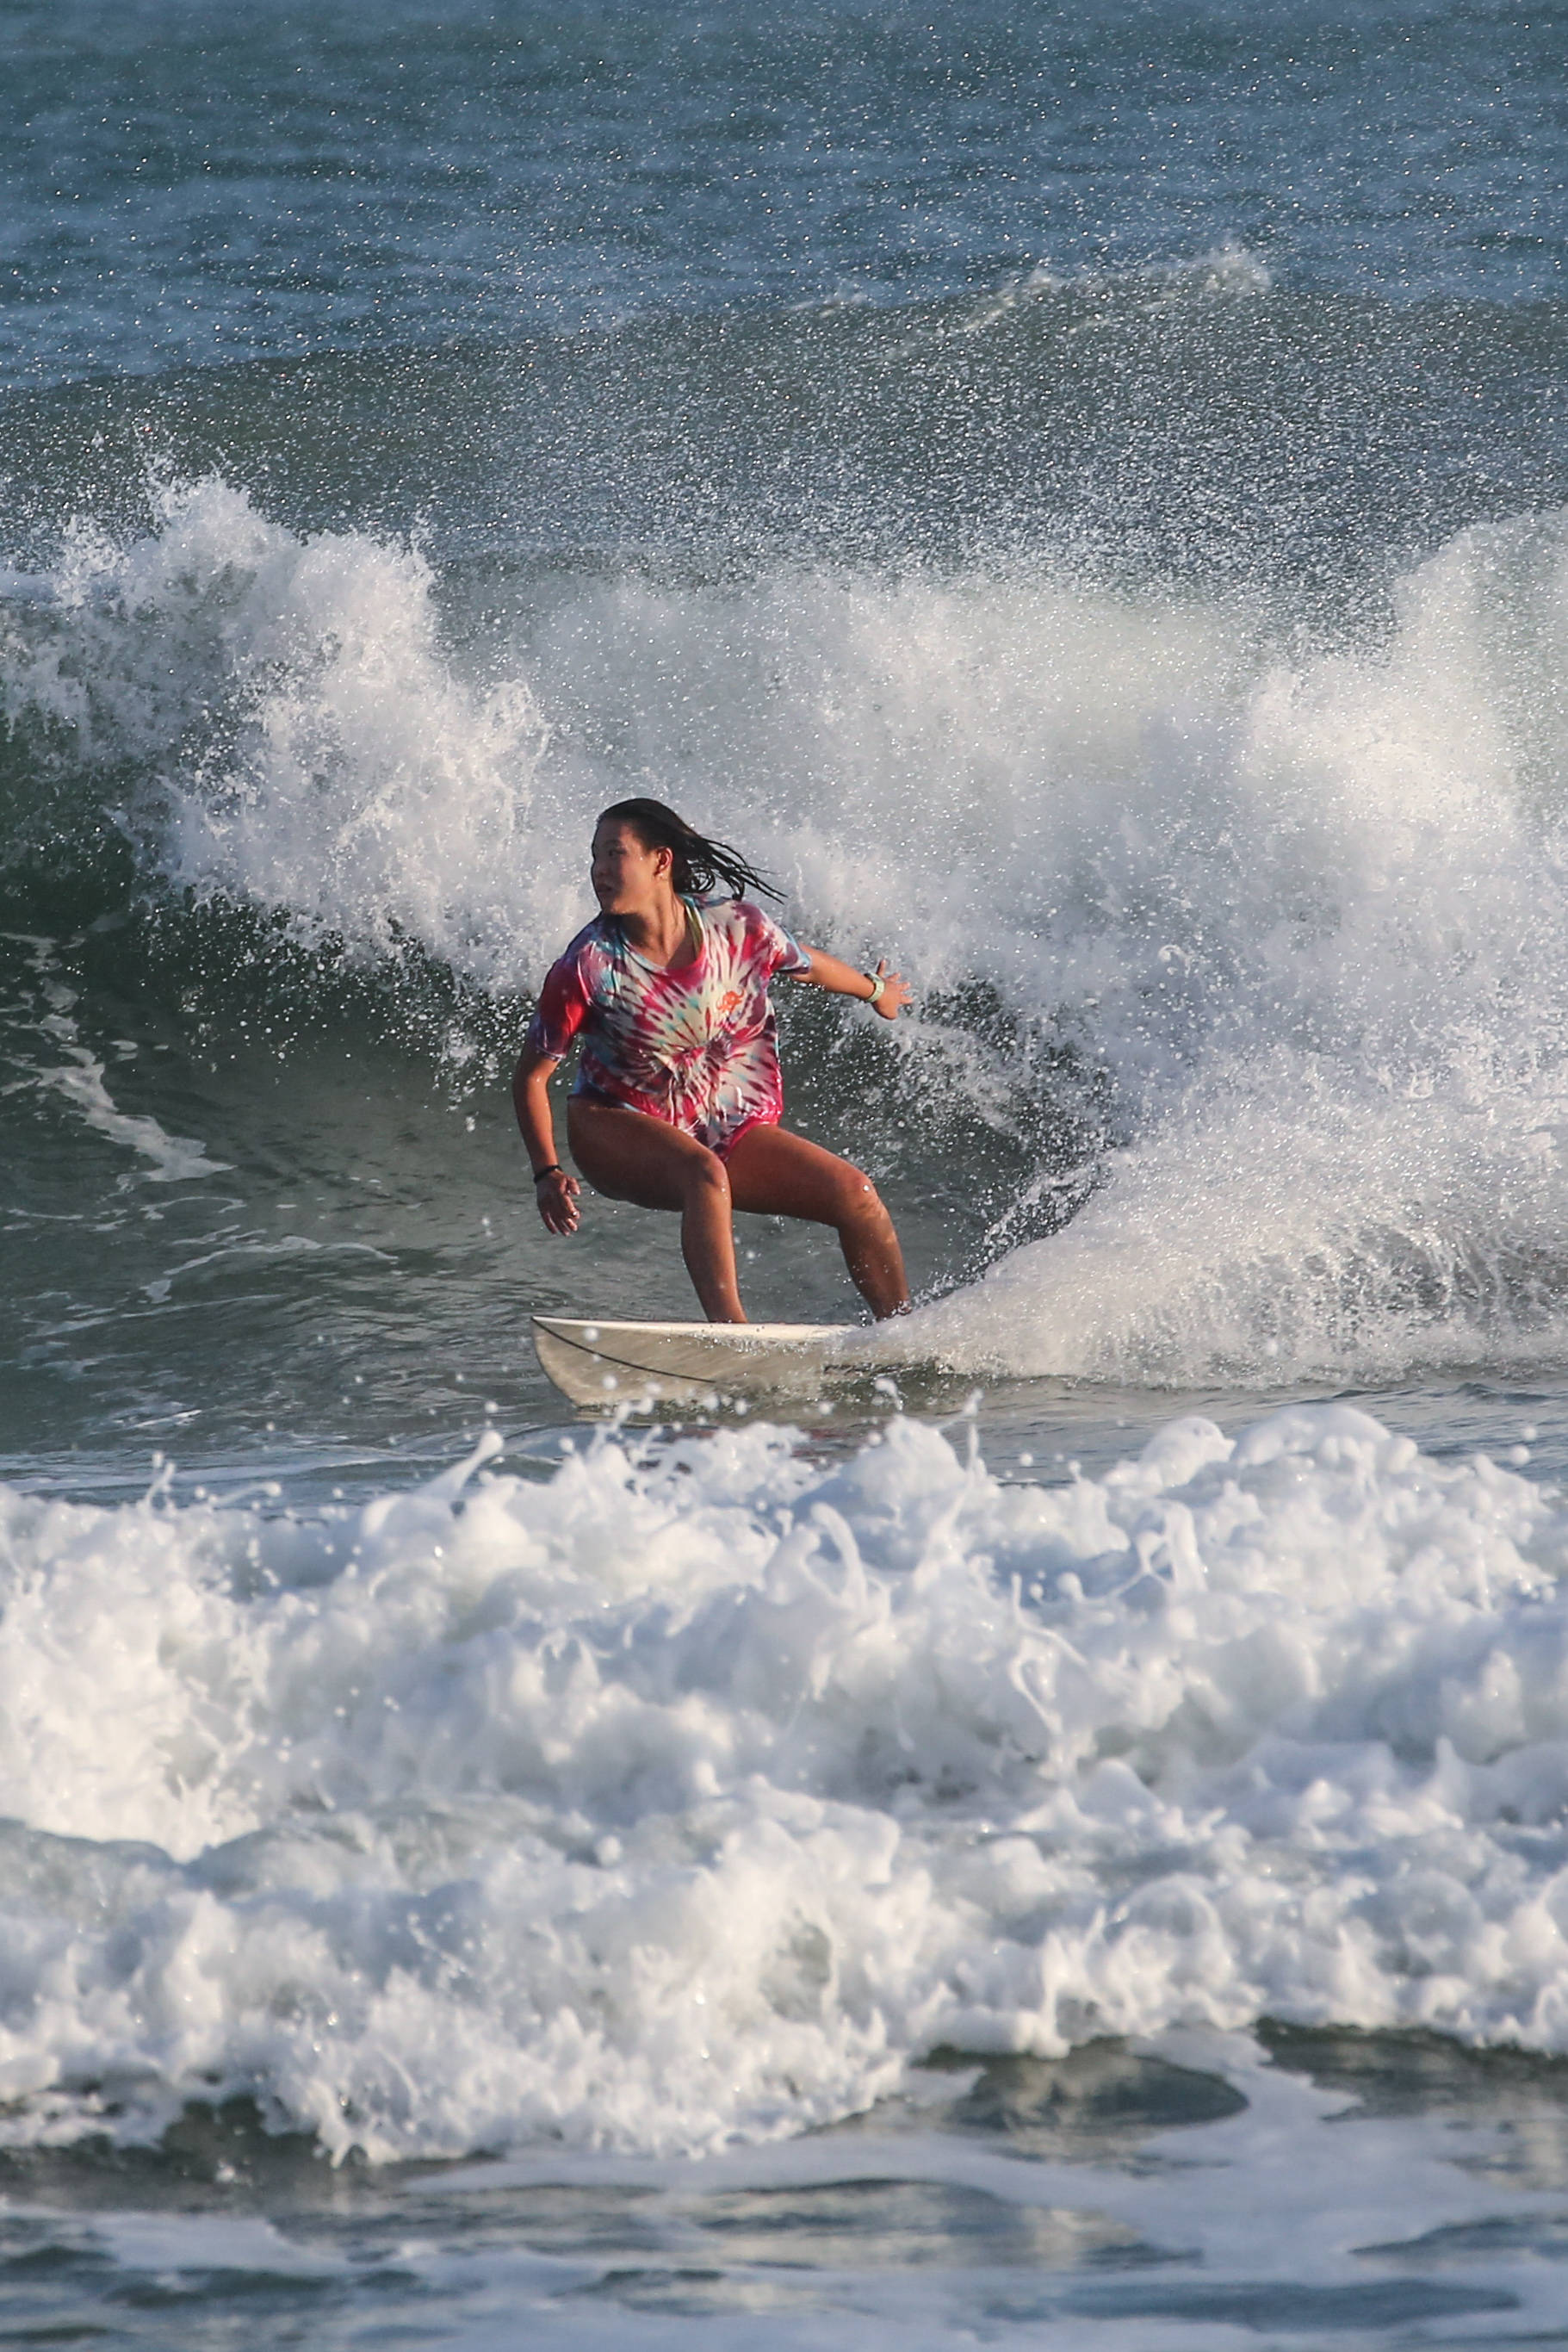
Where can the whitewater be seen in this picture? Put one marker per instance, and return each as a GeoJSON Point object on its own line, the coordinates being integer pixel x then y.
{"type": "Point", "coordinates": [1269, 932]}
{"type": "Point", "coordinates": [692, 1796]}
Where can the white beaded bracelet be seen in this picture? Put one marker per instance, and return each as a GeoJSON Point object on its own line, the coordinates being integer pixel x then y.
{"type": "Point", "coordinates": [877, 985]}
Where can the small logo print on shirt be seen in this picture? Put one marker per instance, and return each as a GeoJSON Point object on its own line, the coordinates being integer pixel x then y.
{"type": "Point", "coordinates": [729, 1000]}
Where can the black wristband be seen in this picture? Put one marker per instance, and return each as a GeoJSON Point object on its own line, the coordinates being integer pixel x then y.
{"type": "Point", "coordinates": [555, 1169]}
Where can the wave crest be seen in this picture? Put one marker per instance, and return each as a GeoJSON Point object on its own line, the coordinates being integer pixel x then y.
{"type": "Point", "coordinates": [1260, 939]}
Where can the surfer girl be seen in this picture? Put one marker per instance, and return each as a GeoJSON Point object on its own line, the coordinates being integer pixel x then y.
{"type": "Point", "coordinates": [678, 1097]}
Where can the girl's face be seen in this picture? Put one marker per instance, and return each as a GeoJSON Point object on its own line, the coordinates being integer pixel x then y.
{"type": "Point", "coordinates": [628, 877]}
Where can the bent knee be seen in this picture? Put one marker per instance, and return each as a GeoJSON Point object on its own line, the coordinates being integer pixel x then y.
{"type": "Point", "coordinates": [704, 1173]}
{"type": "Point", "coordinates": [857, 1198]}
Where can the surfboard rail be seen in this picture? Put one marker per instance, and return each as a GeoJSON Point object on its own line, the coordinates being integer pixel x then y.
{"type": "Point", "coordinates": [596, 1361]}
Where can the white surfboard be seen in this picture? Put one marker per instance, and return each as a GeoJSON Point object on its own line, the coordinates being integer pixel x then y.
{"type": "Point", "coordinates": [600, 1362]}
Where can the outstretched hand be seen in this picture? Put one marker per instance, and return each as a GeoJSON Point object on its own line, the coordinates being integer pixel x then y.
{"type": "Point", "coordinates": [895, 993]}
{"type": "Point", "coordinates": [557, 1197]}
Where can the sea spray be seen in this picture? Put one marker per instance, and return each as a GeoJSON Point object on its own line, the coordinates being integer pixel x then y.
{"type": "Point", "coordinates": [1254, 943]}
{"type": "Point", "coordinates": [291, 725]}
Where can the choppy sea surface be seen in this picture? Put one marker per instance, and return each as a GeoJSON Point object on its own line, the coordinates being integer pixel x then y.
{"type": "Point", "coordinates": [1070, 1847]}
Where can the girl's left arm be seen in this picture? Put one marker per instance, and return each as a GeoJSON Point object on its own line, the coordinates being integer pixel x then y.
{"type": "Point", "coordinates": [844, 979]}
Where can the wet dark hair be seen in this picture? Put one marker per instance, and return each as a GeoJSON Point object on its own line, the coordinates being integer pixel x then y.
{"type": "Point", "coordinates": [699, 864]}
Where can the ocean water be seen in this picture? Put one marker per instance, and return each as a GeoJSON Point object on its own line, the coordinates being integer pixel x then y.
{"type": "Point", "coordinates": [1071, 1846]}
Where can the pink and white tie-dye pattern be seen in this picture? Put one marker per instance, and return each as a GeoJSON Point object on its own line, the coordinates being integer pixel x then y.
{"type": "Point", "coordinates": [695, 1046]}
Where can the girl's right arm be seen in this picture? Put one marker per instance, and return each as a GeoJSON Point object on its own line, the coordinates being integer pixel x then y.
{"type": "Point", "coordinates": [881, 988]}
{"type": "Point", "coordinates": [554, 1190]}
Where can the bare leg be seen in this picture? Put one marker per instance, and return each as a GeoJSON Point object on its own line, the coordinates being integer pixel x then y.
{"type": "Point", "coordinates": [778, 1174]}
{"type": "Point", "coordinates": [631, 1157]}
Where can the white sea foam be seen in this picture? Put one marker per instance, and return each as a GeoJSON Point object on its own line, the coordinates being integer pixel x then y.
{"type": "Point", "coordinates": [311, 749]}
{"type": "Point", "coordinates": [683, 1801]}
{"type": "Point", "coordinates": [1308, 909]}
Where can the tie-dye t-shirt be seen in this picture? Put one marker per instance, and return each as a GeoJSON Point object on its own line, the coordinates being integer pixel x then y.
{"type": "Point", "coordinates": [696, 1045]}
